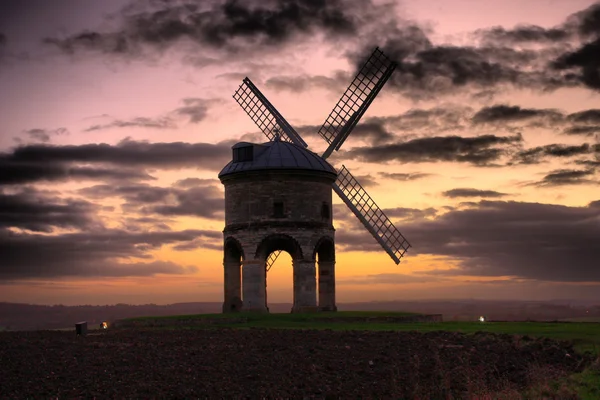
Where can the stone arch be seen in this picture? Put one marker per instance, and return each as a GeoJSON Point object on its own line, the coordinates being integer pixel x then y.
{"type": "Point", "coordinates": [278, 241]}
{"type": "Point", "coordinates": [233, 250]}
{"type": "Point", "coordinates": [325, 249]}
{"type": "Point", "coordinates": [233, 254]}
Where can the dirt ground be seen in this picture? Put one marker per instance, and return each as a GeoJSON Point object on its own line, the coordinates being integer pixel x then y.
{"type": "Point", "coordinates": [261, 363]}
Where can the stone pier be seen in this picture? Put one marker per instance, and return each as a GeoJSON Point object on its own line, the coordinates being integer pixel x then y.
{"type": "Point", "coordinates": [232, 289]}
{"type": "Point", "coordinates": [327, 286]}
{"type": "Point", "coordinates": [305, 286]}
{"type": "Point", "coordinates": [254, 285]}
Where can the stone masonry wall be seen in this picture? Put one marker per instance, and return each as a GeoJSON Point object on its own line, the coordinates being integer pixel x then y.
{"type": "Point", "coordinates": [251, 199]}
{"type": "Point", "coordinates": [250, 219]}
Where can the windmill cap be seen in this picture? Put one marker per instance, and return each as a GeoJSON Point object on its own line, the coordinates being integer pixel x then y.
{"type": "Point", "coordinates": [274, 155]}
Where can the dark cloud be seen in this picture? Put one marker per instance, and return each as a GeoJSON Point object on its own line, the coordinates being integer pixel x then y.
{"type": "Point", "coordinates": [582, 65]}
{"type": "Point", "coordinates": [588, 116]}
{"type": "Point", "coordinates": [198, 244]}
{"type": "Point", "coordinates": [588, 163]}
{"type": "Point", "coordinates": [193, 182]}
{"type": "Point", "coordinates": [16, 173]}
{"type": "Point", "coordinates": [242, 30]}
{"type": "Point", "coordinates": [455, 118]}
{"type": "Point", "coordinates": [537, 154]}
{"type": "Point", "coordinates": [371, 131]}
{"type": "Point", "coordinates": [190, 197]}
{"type": "Point", "coordinates": [409, 213]}
{"type": "Point", "coordinates": [229, 25]}
{"type": "Point", "coordinates": [501, 238]}
{"type": "Point", "coordinates": [351, 235]}
{"type": "Point", "coordinates": [429, 71]}
{"type": "Point", "coordinates": [140, 122]}
{"type": "Point", "coordinates": [440, 70]}
{"type": "Point", "coordinates": [127, 153]}
{"type": "Point", "coordinates": [479, 150]}
{"type": "Point", "coordinates": [206, 202]}
{"type": "Point", "coordinates": [32, 210]}
{"type": "Point", "coordinates": [568, 177]}
{"type": "Point", "coordinates": [524, 33]}
{"type": "Point", "coordinates": [44, 135]}
{"type": "Point", "coordinates": [134, 194]}
{"type": "Point", "coordinates": [356, 239]}
{"type": "Point", "coordinates": [468, 192]}
{"type": "Point", "coordinates": [436, 119]}
{"type": "Point", "coordinates": [404, 177]}
{"type": "Point", "coordinates": [505, 113]}
{"type": "Point", "coordinates": [145, 224]}
{"type": "Point", "coordinates": [578, 67]}
{"type": "Point", "coordinates": [588, 20]}
{"type": "Point", "coordinates": [105, 253]}
{"type": "Point", "coordinates": [2, 39]}
{"type": "Point", "coordinates": [582, 130]}
{"type": "Point", "coordinates": [524, 240]}
{"type": "Point", "coordinates": [195, 109]}
{"type": "Point", "coordinates": [366, 180]}
{"type": "Point", "coordinates": [39, 135]}
{"type": "Point", "coordinates": [301, 83]}
{"type": "Point", "coordinates": [126, 161]}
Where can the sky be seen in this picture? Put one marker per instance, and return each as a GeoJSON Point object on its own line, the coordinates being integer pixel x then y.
{"type": "Point", "coordinates": [483, 147]}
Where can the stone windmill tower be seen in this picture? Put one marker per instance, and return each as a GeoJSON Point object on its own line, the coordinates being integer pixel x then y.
{"type": "Point", "coordinates": [278, 198]}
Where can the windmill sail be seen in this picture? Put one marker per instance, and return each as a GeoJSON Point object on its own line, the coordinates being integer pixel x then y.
{"type": "Point", "coordinates": [272, 258]}
{"type": "Point", "coordinates": [356, 99]}
{"type": "Point", "coordinates": [264, 115]}
{"type": "Point", "coordinates": [373, 218]}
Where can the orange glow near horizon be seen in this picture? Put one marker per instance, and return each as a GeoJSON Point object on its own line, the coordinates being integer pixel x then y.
{"type": "Point", "coordinates": [128, 97]}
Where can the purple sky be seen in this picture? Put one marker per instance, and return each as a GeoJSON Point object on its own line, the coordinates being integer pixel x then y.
{"type": "Point", "coordinates": [483, 147]}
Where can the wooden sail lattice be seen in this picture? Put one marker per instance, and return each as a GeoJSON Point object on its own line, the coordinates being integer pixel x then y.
{"type": "Point", "coordinates": [356, 99]}
{"type": "Point", "coordinates": [372, 217]}
{"type": "Point", "coordinates": [264, 115]}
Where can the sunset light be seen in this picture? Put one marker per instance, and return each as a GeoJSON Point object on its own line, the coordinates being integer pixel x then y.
{"type": "Point", "coordinates": [482, 148]}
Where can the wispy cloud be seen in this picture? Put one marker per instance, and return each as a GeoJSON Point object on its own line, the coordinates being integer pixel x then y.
{"type": "Point", "coordinates": [44, 135]}
{"type": "Point", "coordinates": [566, 177]}
{"type": "Point", "coordinates": [469, 192]}
{"type": "Point", "coordinates": [139, 122]}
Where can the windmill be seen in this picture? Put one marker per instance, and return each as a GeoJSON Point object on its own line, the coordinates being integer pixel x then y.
{"type": "Point", "coordinates": [337, 127]}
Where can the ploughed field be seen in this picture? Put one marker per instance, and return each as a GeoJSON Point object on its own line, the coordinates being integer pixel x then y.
{"type": "Point", "coordinates": [268, 363]}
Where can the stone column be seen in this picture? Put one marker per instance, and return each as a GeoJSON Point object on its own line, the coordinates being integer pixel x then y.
{"type": "Point", "coordinates": [253, 285]}
{"type": "Point", "coordinates": [305, 286]}
{"type": "Point", "coordinates": [327, 286]}
{"type": "Point", "coordinates": [232, 286]}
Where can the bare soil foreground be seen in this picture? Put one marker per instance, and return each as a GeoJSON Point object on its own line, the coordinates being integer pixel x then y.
{"type": "Point", "coordinates": [265, 363]}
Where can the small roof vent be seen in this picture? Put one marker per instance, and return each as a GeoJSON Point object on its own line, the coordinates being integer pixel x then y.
{"type": "Point", "coordinates": [243, 153]}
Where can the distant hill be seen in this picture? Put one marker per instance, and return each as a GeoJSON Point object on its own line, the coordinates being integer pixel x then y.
{"type": "Point", "coordinates": [16, 316]}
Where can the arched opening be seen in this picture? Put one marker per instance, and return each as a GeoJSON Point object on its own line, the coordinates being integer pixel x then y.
{"type": "Point", "coordinates": [280, 283]}
{"type": "Point", "coordinates": [304, 274]}
{"type": "Point", "coordinates": [278, 242]}
{"type": "Point", "coordinates": [324, 255]}
{"type": "Point", "coordinates": [232, 281]}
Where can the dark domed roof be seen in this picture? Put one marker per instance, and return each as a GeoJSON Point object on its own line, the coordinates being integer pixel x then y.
{"type": "Point", "coordinates": [274, 155]}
